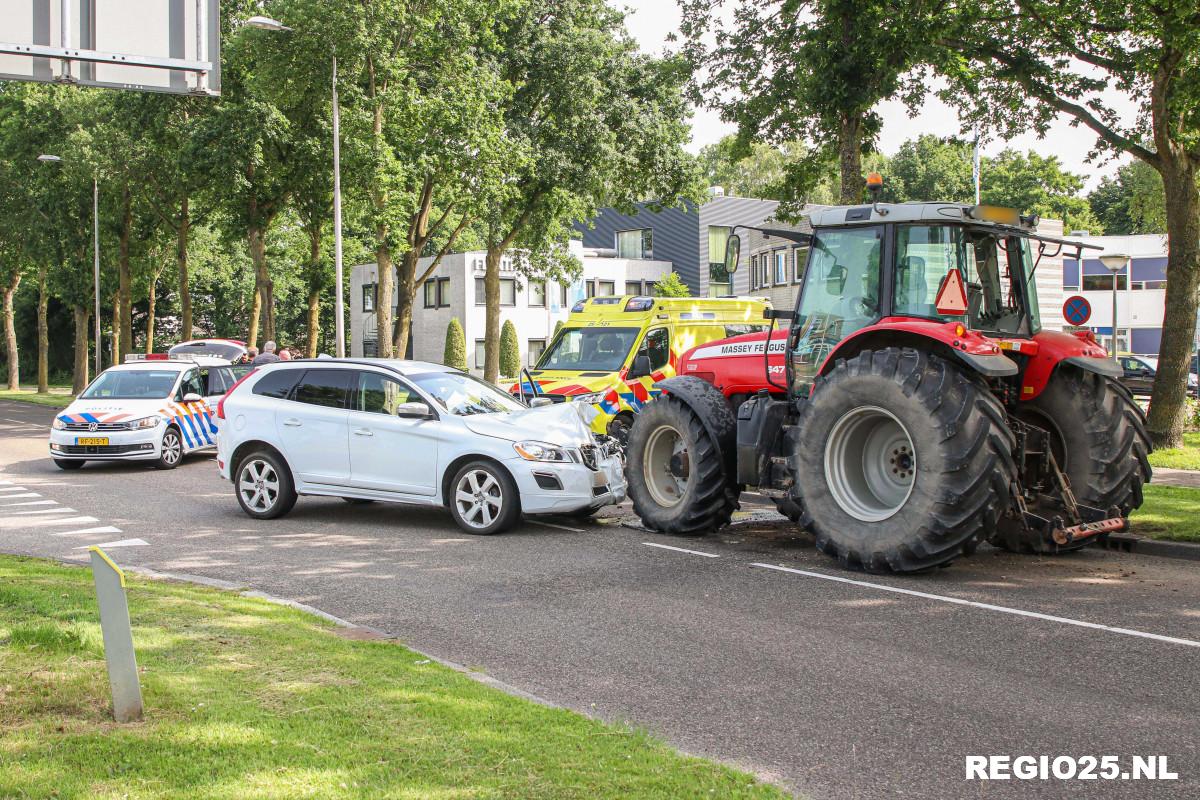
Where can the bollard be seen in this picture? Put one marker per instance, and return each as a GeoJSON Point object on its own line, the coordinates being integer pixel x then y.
{"type": "Point", "coordinates": [118, 637]}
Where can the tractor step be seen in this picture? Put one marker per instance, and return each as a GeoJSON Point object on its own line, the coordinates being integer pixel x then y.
{"type": "Point", "coordinates": [1086, 530]}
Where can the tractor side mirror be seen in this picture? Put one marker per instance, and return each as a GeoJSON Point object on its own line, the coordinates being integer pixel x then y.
{"type": "Point", "coordinates": [733, 253]}
{"type": "Point", "coordinates": [640, 369]}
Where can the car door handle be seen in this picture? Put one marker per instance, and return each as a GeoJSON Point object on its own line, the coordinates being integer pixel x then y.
{"type": "Point", "coordinates": [363, 432]}
{"type": "Point", "coordinates": [293, 423]}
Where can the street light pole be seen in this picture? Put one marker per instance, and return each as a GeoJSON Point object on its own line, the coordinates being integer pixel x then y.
{"type": "Point", "coordinates": [339, 318]}
{"type": "Point", "coordinates": [1114, 263]}
{"type": "Point", "coordinates": [96, 260]}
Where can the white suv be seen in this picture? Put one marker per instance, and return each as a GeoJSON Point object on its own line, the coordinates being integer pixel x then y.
{"type": "Point", "coordinates": [408, 432]}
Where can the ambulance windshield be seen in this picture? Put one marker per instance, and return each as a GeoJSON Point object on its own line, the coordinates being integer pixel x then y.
{"type": "Point", "coordinates": [600, 349]}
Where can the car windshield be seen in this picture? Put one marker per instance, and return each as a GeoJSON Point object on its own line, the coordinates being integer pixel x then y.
{"type": "Point", "coordinates": [131, 384]}
{"type": "Point", "coordinates": [593, 349]}
{"type": "Point", "coordinates": [464, 395]}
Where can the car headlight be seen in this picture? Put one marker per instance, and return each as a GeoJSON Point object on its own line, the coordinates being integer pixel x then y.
{"type": "Point", "coordinates": [541, 451]}
{"type": "Point", "coordinates": [143, 423]}
{"type": "Point", "coordinates": [591, 398]}
{"type": "Point", "coordinates": [58, 424]}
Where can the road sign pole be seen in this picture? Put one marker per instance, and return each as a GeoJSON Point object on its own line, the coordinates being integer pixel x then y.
{"type": "Point", "coordinates": [118, 637]}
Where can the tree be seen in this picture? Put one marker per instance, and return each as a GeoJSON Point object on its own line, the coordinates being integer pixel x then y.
{"type": "Point", "coordinates": [1022, 64]}
{"type": "Point", "coordinates": [762, 173]}
{"type": "Point", "coordinates": [930, 168]}
{"type": "Point", "coordinates": [1130, 202]}
{"type": "Point", "coordinates": [810, 70]}
{"type": "Point", "coordinates": [670, 285]}
{"type": "Point", "coordinates": [455, 353]}
{"type": "Point", "coordinates": [510, 350]}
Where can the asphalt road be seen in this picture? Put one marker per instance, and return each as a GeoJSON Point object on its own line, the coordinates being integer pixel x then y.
{"type": "Point", "coordinates": [828, 682]}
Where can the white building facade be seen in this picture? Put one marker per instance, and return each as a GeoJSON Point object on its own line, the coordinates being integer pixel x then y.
{"type": "Point", "coordinates": [455, 290]}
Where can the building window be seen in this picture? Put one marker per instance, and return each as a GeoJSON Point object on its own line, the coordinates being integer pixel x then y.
{"type": "Point", "coordinates": [508, 292]}
{"type": "Point", "coordinates": [633, 287]}
{"type": "Point", "coordinates": [1099, 283]}
{"type": "Point", "coordinates": [563, 290]}
{"type": "Point", "coordinates": [781, 270]}
{"type": "Point", "coordinates": [437, 293]}
{"type": "Point", "coordinates": [536, 348]}
{"type": "Point", "coordinates": [590, 286]}
{"type": "Point", "coordinates": [537, 294]}
{"type": "Point", "coordinates": [719, 281]}
{"type": "Point", "coordinates": [606, 288]}
{"type": "Point", "coordinates": [368, 304]}
{"type": "Point", "coordinates": [800, 261]}
{"type": "Point", "coordinates": [480, 345]}
{"type": "Point", "coordinates": [635, 244]}
{"type": "Point", "coordinates": [1153, 285]}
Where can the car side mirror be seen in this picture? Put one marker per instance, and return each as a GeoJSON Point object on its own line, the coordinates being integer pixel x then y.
{"type": "Point", "coordinates": [640, 369]}
{"type": "Point", "coordinates": [414, 411]}
{"type": "Point", "coordinates": [540, 402]}
{"type": "Point", "coordinates": [192, 397]}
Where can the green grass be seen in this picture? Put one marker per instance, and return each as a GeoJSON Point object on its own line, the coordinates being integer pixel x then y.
{"type": "Point", "coordinates": [1186, 457]}
{"type": "Point", "coordinates": [1170, 512]}
{"type": "Point", "coordinates": [57, 398]}
{"type": "Point", "coordinates": [248, 699]}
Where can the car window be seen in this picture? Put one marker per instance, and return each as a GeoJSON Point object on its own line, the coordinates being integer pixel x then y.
{"type": "Point", "coordinates": [278, 383]}
{"type": "Point", "coordinates": [325, 387]}
{"type": "Point", "coordinates": [221, 379]}
{"type": "Point", "coordinates": [379, 394]}
{"type": "Point", "coordinates": [657, 346]}
{"type": "Point", "coordinates": [194, 381]}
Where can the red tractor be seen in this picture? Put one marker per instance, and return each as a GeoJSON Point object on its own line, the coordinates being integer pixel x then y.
{"type": "Point", "coordinates": [913, 408]}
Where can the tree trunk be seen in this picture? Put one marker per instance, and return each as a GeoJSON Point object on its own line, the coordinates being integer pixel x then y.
{"type": "Point", "coordinates": [850, 159]}
{"type": "Point", "coordinates": [406, 292]}
{"type": "Point", "coordinates": [1167, 406]}
{"type": "Point", "coordinates": [10, 335]}
{"type": "Point", "coordinates": [383, 294]}
{"type": "Point", "coordinates": [116, 327]}
{"type": "Point", "coordinates": [124, 282]}
{"type": "Point", "coordinates": [82, 317]}
{"type": "Point", "coordinates": [151, 298]}
{"type": "Point", "coordinates": [263, 305]}
{"type": "Point", "coordinates": [181, 258]}
{"type": "Point", "coordinates": [315, 285]}
{"type": "Point", "coordinates": [43, 336]}
{"type": "Point", "coordinates": [491, 327]}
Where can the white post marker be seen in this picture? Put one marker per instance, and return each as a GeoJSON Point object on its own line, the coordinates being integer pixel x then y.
{"type": "Point", "coordinates": [118, 637]}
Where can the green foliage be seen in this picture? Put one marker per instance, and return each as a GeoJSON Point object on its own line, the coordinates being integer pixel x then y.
{"type": "Point", "coordinates": [671, 285]}
{"type": "Point", "coordinates": [1130, 202]}
{"type": "Point", "coordinates": [455, 352]}
{"type": "Point", "coordinates": [510, 350]}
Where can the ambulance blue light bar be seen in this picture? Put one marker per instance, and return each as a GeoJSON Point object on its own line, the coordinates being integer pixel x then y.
{"type": "Point", "coordinates": [639, 304]}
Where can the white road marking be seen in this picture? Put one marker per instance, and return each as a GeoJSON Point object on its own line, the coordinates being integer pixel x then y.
{"type": "Point", "coordinates": [552, 525]}
{"type": "Point", "coordinates": [82, 531]}
{"type": "Point", "coordinates": [42, 523]}
{"type": "Point", "coordinates": [681, 550]}
{"type": "Point", "coordinates": [13, 489]}
{"type": "Point", "coordinates": [57, 510]}
{"type": "Point", "coordinates": [986, 606]}
{"type": "Point", "coordinates": [17, 496]}
{"type": "Point", "coordinates": [30, 503]}
{"type": "Point", "coordinates": [122, 543]}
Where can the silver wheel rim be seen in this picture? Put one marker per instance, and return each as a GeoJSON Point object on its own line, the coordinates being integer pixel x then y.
{"type": "Point", "coordinates": [870, 463]}
{"type": "Point", "coordinates": [666, 467]}
{"type": "Point", "coordinates": [258, 485]}
{"type": "Point", "coordinates": [172, 448]}
{"type": "Point", "coordinates": [479, 498]}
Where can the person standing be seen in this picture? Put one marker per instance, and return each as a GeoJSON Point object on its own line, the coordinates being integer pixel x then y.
{"type": "Point", "coordinates": [267, 356]}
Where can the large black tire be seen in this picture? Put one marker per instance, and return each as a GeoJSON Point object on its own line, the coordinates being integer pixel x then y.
{"type": "Point", "coordinates": [707, 499]}
{"type": "Point", "coordinates": [951, 488]}
{"type": "Point", "coordinates": [1099, 439]}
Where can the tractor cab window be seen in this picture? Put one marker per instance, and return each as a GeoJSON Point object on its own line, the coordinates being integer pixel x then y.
{"type": "Point", "coordinates": [840, 296]}
{"type": "Point", "coordinates": [990, 266]}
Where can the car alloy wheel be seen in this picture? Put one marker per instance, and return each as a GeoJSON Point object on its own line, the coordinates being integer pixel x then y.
{"type": "Point", "coordinates": [479, 498]}
{"type": "Point", "coordinates": [258, 484]}
{"type": "Point", "coordinates": [172, 448]}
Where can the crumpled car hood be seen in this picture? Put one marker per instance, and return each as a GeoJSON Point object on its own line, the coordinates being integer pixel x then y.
{"type": "Point", "coordinates": [561, 424]}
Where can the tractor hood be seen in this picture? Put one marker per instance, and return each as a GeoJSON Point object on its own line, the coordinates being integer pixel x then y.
{"type": "Point", "coordinates": [561, 424]}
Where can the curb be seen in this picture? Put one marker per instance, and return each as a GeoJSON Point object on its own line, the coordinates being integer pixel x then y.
{"type": "Point", "coordinates": [1126, 543]}
{"type": "Point", "coordinates": [351, 630]}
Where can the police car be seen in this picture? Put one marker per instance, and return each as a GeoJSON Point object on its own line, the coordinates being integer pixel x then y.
{"type": "Point", "coordinates": [154, 408]}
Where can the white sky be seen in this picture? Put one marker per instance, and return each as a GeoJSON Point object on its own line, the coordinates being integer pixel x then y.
{"type": "Point", "coordinates": [650, 21]}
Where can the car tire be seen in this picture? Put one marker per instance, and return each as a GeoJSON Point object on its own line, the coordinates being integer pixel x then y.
{"type": "Point", "coordinates": [263, 485]}
{"type": "Point", "coordinates": [68, 463]}
{"type": "Point", "coordinates": [483, 499]}
{"type": "Point", "coordinates": [170, 452]}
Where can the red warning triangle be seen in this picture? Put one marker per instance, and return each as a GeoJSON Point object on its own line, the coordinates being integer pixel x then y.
{"type": "Point", "coordinates": [952, 295]}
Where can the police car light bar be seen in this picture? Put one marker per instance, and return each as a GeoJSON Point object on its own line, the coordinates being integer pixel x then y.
{"type": "Point", "coordinates": [132, 358]}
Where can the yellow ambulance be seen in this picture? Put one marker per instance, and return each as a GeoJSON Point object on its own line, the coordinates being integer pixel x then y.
{"type": "Point", "coordinates": [597, 356]}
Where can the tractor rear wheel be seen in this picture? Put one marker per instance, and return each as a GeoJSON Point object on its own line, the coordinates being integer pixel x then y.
{"type": "Point", "coordinates": [1099, 439]}
{"type": "Point", "coordinates": [903, 461]}
{"type": "Point", "coordinates": [676, 471]}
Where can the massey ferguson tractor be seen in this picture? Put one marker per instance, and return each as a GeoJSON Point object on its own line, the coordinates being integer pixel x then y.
{"type": "Point", "coordinates": [912, 406]}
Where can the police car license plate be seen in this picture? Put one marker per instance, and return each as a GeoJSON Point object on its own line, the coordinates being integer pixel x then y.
{"type": "Point", "coordinates": [91, 441]}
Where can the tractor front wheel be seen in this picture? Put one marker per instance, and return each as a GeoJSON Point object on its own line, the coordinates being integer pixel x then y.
{"type": "Point", "coordinates": [676, 472]}
{"type": "Point", "coordinates": [903, 461]}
